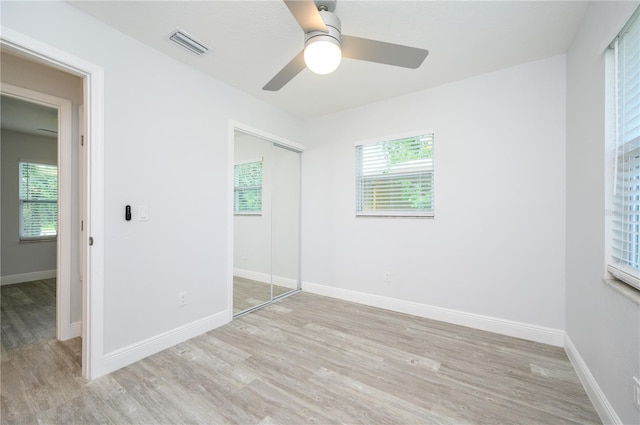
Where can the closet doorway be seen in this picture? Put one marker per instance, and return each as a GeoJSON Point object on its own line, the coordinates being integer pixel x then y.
{"type": "Point", "coordinates": [266, 221]}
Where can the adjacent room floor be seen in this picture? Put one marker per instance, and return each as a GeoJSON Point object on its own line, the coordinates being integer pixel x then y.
{"type": "Point", "coordinates": [306, 359]}
{"type": "Point", "coordinates": [28, 312]}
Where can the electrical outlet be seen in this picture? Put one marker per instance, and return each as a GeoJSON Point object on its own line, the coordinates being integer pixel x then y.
{"type": "Point", "coordinates": [636, 392]}
{"type": "Point", "coordinates": [387, 276]}
{"type": "Point", "coordinates": [182, 299]}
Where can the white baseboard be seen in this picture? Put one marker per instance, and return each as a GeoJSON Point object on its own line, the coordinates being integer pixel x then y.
{"type": "Point", "coordinates": [27, 277]}
{"type": "Point", "coordinates": [266, 278]}
{"type": "Point", "coordinates": [285, 282]}
{"type": "Point", "coordinates": [127, 355]}
{"type": "Point", "coordinates": [252, 275]}
{"type": "Point", "coordinates": [76, 329]}
{"type": "Point", "coordinates": [607, 414]}
{"type": "Point", "coordinates": [526, 331]}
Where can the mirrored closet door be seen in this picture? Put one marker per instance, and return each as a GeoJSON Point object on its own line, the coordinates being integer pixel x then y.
{"type": "Point", "coordinates": [266, 257]}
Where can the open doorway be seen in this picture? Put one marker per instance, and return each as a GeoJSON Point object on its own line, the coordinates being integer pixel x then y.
{"type": "Point", "coordinates": [28, 78]}
{"type": "Point", "coordinates": [40, 231]}
{"type": "Point", "coordinates": [29, 248]}
{"type": "Point", "coordinates": [91, 194]}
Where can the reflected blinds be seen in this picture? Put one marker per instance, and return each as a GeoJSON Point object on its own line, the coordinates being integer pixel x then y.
{"type": "Point", "coordinates": [248, 188]}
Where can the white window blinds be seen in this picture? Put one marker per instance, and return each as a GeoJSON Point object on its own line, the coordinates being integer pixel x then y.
{"type": "Point", "coordinates": [626, 223]}
{"type": "Point", "coordinates": [248, 188]}
{"type": "Point", "coordinates": [38, 196]}
{"type": "Point", "coordinates": [395, 178]}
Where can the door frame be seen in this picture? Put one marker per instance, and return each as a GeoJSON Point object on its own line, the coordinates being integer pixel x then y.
{"type": "Point", "coordinates": [63, 240]}
{"type": "Point", "coordinates": [93, 199]}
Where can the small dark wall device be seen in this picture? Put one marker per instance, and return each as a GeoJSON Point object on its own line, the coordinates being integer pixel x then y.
{"type": "Point", "coordinates": [127, 212]}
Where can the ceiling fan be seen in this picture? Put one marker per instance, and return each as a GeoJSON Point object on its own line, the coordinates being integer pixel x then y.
{"type": "Point", "coordinates": [325, 45]}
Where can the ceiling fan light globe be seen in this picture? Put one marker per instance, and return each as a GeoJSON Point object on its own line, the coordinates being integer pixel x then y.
{"type": "Point", "coordinates": [322, 54]}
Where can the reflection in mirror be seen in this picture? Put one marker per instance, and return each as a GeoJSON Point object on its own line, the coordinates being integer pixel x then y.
{"type": "Point", "coordinates": [285, 221]}
{"type": "Point", "coordinates": [252, 227]}
{"type": "Point", "coordinates": [266, 221]}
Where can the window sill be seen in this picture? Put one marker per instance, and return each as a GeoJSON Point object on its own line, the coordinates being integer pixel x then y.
{"type": "Point", "coordinates": [623, 288]}
{"type": "Point", "coordinates": [393, 215]}
{"type": "Point", "coordinates": [32, 240]}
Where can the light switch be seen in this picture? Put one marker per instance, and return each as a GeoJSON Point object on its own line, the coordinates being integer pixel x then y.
{"type": "Point", "coordinates": [143, 213]}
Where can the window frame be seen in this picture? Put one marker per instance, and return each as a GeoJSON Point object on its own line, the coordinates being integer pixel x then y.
{"type": "Point", "coordinates": [22, 202]}
{"type": "Point", "coordinates": [237, 188]}
{"type": "Point", "coordinates": [624, 256]}
{"type": "Point", "coordinates": [360, 210]}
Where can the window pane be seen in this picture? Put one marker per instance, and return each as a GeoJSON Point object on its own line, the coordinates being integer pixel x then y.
{"type": "Point", "coordinates": [626, 207]}
{"type": "Point", "coordinates": [39, 219]}
{"type": "Point", "coordinates": [38, 182]}
{"type": "Point", "coordinates": [397, 193]}
{"type": "Point", "coordinates": [38, 195]}
{"type": "Point", "coordinates": [395, 177]}
{"type": "Point", "coordinates": [248, 187]}
{"type": "Point", "coordinates": [249, 174]}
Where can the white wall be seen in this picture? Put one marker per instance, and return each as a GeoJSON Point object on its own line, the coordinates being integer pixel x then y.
{"type": "Point", "coordinates": [30, 257]}
{"type": "Point", "coordinates": [496, 245]}
{"type": "Point", "coordinates": [166, 148]}
{"type": "Point", "coordinates": [603, 325]}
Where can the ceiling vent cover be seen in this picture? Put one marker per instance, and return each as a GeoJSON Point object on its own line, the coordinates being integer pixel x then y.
{"type": "Point", "coordinates": [186, 41]}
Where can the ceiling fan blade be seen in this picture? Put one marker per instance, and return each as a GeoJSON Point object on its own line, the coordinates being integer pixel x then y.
{"type": "Point", "coordinates": [287, 73]}
{"type": "Point", "coordinates": [307, 15]}
{"type": "Point", "coordinates": [382, 52]}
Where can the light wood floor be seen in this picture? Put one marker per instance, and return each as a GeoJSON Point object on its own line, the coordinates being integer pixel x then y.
{"type": "Point", "coordinates": [28, 312]}
{"type": "Point", "coordinates": [249, 293]}
{"type": "Point", "coordinates": [307, 359]}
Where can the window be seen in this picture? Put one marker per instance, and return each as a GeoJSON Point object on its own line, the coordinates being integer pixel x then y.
{"type": "Point", "coordinates": [625, 263]}
{"type": "Point", "coordinates": [38, 193]}
{"type": "Point", "coordinates": [395, 178]}
{"type": "Point", "coordinates": [247, 191]}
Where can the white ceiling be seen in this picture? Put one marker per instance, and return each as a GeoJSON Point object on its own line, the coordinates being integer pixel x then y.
{"type": "Point", "coordinates": [26, 117]}
{"type": "Point", "coordinates": [253, 40]}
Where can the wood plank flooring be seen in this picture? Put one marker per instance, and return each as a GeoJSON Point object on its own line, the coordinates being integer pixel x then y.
{"type": "Point", "coordinates": [307, 360]}
{"type": "Point", "coordinates": [249, 293]}
{"type": "Point", "coordinates": [27, 312]}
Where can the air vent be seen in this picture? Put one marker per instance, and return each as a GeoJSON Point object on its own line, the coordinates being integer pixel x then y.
{"type": "Point", "coordinates": [186, 41]}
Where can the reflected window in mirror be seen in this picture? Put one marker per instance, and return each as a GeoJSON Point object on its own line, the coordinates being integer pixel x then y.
{"type": "Point", "coordinates": [247, 189]}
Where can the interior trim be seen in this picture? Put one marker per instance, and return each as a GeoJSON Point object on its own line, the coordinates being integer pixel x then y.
{"type": "Point", "coordinates": [27, 277]}
{"type": "Point", "coordinates": [497, 325]}
{"type": "Point", "coordinates": [132, 353]}
{"type": "Point", "coordinates": [593, 390]}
